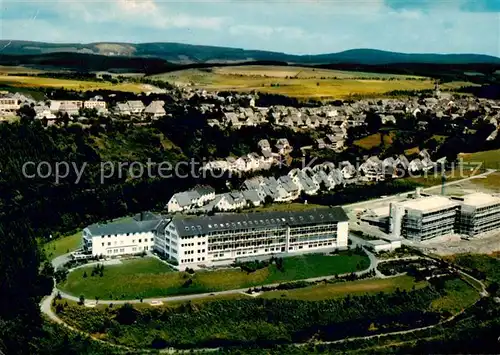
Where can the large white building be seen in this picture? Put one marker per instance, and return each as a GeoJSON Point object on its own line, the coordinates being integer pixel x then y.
{"type": "Point", "coordinates": [122, 237]}
{"type": "Point", "coordinates": [479, 213]}
{"type": "Point", "coordinates": [222, 239]}
{"type": "Point", "coordinates": [423, 218]}
{"type": "Point", "coordinates": [9, 104]}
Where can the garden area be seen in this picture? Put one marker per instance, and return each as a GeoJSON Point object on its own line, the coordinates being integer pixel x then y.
{"type": "Point", "coordinates": [150, 277]}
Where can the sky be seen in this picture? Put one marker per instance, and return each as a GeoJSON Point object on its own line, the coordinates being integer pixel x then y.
{"type": "Point", "coordinates": [291, 26]}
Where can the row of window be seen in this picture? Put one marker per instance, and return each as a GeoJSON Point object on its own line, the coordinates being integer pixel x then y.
{"type": "Point", "coordinates": [116, 235]}
{"type": "Point", "coordinates": [192, 244]}
{"type": "Point", "coordinates": [191, 260]}
{"type": "Point", "coordinates": [188, 252]}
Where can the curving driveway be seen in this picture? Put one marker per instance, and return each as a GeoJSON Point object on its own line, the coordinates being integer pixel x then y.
{"type": "Point", "coordinates": [373, 265]}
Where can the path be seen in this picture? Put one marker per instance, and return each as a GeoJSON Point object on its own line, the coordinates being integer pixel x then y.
{"type": "Point", "coordinates": [373, 265]}
{"type": "Point", "coordinates": [45, 307]}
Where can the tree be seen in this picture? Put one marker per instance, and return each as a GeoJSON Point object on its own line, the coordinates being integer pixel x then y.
{"type": "Point", "coordinates": [373, 122]}
{"type": "Point", "coordinates": [81, 301]}
{"type": "Point", "coordinates": [126, 314]}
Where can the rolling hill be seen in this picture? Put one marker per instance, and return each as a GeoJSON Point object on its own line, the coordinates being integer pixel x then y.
{"type": "Point", "coordinates": [188, 54]}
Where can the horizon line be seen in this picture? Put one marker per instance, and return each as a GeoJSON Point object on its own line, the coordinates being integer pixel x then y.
{"type": "Point", "coordinates": [248, 49]}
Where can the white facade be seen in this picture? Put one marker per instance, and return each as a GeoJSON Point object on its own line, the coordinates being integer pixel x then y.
{"type": "Point", "coordinates": [95, 104]}
{"type": "Point", "coordinates": [219, 240]}
{"type": "Point", "coordinates": [118, 244]}
{"type": "Point", "coordinates": [9, 104]}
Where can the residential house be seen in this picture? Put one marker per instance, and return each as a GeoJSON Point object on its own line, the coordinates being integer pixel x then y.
{"type": "Point", "coordinates": [321, 177]}
{"type": "Point", "coordinates": [187, 200]}
{"type": "Point", "coordinates": [122, 108]}
{"type": "Point", "coordinates": [155, 109]}
{"type": "Point", "coordinates": [254, 197]}
{"type": "Point", "coordinates": [415, 166]}
{"type": "Point", "coordinates": [283, 146]}
{"type": "Point", "coordinates": [136, 107]}
{"type": "Point", "coordinates": [306, 184]}
{"type": "Point", "coordinates": [371, 169]}
{"type": "Point", "coordinates": [292, 190]}
{"type": "Point", "coordinates": [68, 107]}
{"type": "Point", "coordinates": [348, 170]}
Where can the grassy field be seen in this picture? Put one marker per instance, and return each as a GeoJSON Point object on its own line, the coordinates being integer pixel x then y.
{"type": "Point", "coordinates": [299, 82]}
{"type": "Point", "coordinates": [66, 244]}
{"type": "Point", "coordinates": [149, 277]}
{"type": "Point", "coordinates": [490, 158]}
{"type": "Point", "coordinates": [279, 207]}
{"type": "Point", "coordinates": [63, 245]}
{"type": "Point", "coordinates": [490, 182]}
{"type": "Point", "coordinates": [32, 82]}
{"type": "Point", "coordinates": [374, 140]}
{"type": "Point", "coordinates": [459, 295]}
{"type": "Point", "coordinates": [434, 178]}
{"type": "Point", "coordinates": [295, 81]}
{"type": "Point", "coordinates": [354, 288]}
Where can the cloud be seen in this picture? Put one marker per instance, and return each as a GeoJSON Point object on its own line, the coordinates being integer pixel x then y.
{"type": "Point", "coordinates": [293, 26]}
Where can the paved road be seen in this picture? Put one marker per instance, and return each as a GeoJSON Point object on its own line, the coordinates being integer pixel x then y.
{"type": "Point", "coordinates": [373, 265]}
{"type": "Point", "coordinates": [388, 198]}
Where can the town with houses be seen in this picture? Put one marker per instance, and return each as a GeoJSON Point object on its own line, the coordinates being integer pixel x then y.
{"type": "Point", "coordinates": [197, 220]}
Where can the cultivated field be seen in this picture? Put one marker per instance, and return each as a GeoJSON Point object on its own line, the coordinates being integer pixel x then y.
{"type": "Point", "coordinates": [149, 277]}
{"type": "Point", "coordinates": [298, 81]}
{"type": "Point", "coordinates": [34, 82]}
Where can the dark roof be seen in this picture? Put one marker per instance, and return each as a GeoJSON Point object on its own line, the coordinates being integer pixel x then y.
{"type": "Point", "coordinates": [124, 227]}
{"type": "Point", "coordinates": [206, 224]}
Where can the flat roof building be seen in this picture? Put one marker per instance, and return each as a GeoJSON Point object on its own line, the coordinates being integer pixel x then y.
{"type": "Point", "coordinates": [222, 239]}
{"type": "Point", "coordinates": [479, 213]}
{"type": "Point", "coordinates": [423, 218]}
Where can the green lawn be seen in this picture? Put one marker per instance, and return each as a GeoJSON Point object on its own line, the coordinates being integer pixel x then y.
{"type": "Point", "coordinates": [354, 288]}
{"type": "Point", "coordinates": [66, 244]}
{"type": "Point", "coordinates": [489, 158]}
{"type": "Point", "coordinates": [279, 207]}
{"type": "Point", "coordinates": [149, 277]}
{"type": "Point", "coordinates": [63, 245]}
{"type": "Point", "coordinates": [459, 295]}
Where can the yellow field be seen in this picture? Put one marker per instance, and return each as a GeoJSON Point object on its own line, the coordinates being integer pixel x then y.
{"type": "Point", "coordinates": [295, 81]}
{"type": "Point", "coordinates": [32, 82]}
{"type": "Point", "coordinates": [303, 73]}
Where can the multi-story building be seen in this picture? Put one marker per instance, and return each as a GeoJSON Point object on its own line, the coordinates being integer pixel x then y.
{"type": "Point", "coordinates": [222, 239]}
{"type": "Point", "coordinates": [98, 105]}
{"type": "Point", "coordinates": [479, 212]}
{"type": "Point", "coordinates": [122, 237]}
{"type": "Point", "coordinates": [423, 218]}
{"type": "Point", "coordinates": [9, 104]}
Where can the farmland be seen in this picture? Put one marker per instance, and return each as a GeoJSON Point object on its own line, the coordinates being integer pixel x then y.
{"type": "Point", "coordinates": [149, 277]}
{"type": "Point", "coordinates": [79, 85]}
{"type": "Point", "coordinates": [298, 82]}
